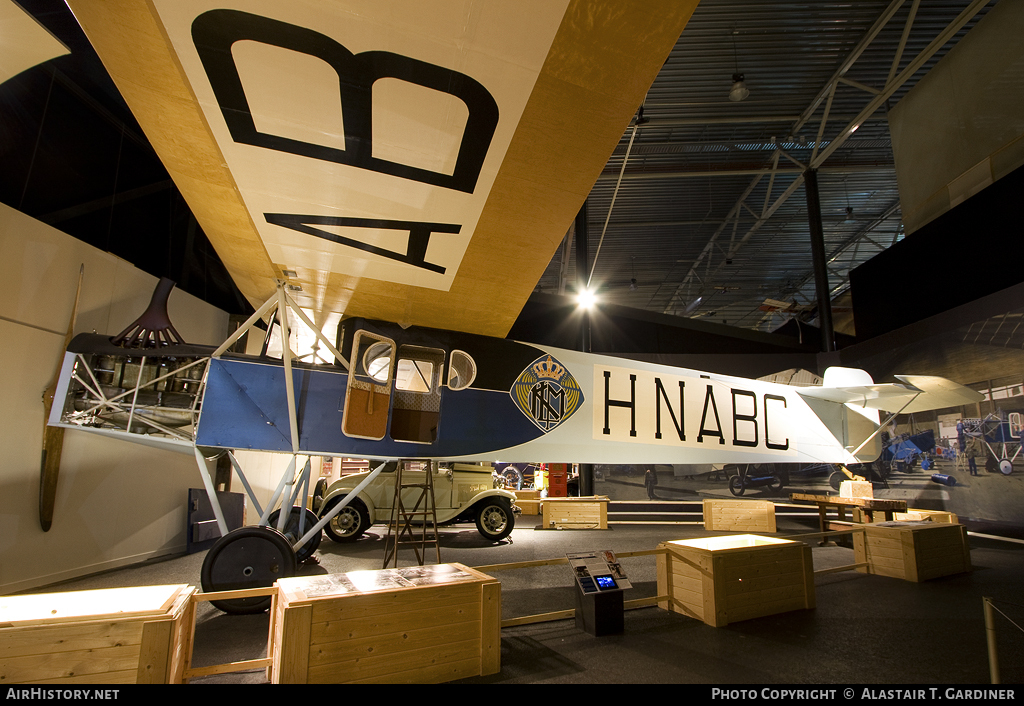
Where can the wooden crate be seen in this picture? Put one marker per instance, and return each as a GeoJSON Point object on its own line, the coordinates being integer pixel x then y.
{"type": "Point", "coordinates": [722, 580]}
{"type": "Point", "coordinates": [137, 635]}
{"type": "Point", "coordinates": [912, 551]}
{"type": "Point", "coordinates": [739, 515]}
{"type": "Point", "coordinates": [528, 501]}
{"type": "Point", "coordinates": [421, 624]}
{"type": "Point", "coordinates": [912, 515]}
{"type": "Point", "coordinates": [589, 512]}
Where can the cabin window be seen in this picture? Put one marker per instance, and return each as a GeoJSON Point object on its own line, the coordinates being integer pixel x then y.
{"type": "Point", "coordinates": [461, 371]}
{"type": "Point", "coordinates": [414, 375]}
{"type": "Point", "coordinates": [377, 361]}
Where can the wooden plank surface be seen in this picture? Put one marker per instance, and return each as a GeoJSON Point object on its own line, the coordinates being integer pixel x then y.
{"type": "Point", "coordinates": [391, 642]}
{"type": "Point", "coordinates": [34, 640]}
{"type": "Point", "coordinates": [490, 628]}
{"type": "Point", "coordinates": [867, 503]}
{"type": "Point", "coordinates": [360, 605]}
{"type": "Point", "coordinates": [44, 608]}
{"type": "Point", "coordinates": [382, 623]}
{"type": "Point", "coordinates": [411, 666]}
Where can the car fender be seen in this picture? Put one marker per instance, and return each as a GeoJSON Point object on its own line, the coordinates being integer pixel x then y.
{"type": "Point", "coordinates": [342, 492]}
{"type": "Point", "coordinates": [470, 508]}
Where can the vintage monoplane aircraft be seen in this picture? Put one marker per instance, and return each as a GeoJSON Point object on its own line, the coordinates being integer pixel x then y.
{"type": "Point", "coordinates": [419, 163]}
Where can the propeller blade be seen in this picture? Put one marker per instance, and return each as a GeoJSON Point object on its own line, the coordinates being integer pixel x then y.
{"type": "Point", "coordinates": [53, 437]}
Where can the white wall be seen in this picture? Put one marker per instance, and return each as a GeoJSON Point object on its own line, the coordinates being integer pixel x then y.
{"type": "Point", "coordinates": [117, 502]}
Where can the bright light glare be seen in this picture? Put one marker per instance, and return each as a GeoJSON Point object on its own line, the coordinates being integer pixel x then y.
{"type": "Point", "coordinates": [586, 299]}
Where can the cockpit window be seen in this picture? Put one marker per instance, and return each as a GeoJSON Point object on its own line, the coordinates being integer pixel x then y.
{"type": "Point", "coordinates": [462, 371]}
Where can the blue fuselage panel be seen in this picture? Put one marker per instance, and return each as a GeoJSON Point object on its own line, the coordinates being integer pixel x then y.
{"type": "Point", "coordinates": [245, 406]}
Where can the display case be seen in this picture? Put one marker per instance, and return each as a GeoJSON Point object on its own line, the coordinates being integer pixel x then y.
{"type": "Point", "coordinates": [722, 580]}
{"type": "Point", "coordinates": [418, 624]}
{"type": "Point", "coordinates": [913, 551]}
{"type": "Point", "coordinates": [136, 635]}
{"type": "Point", "coordinates": [589, 512]}
{"type": "Point", "coordinates": [739, 515]}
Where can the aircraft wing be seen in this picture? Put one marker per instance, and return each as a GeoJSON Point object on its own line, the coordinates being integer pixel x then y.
{"type": "Point", "coordinates": [922, 392]}
{"type": "Point", "coordinates": [411, 161]}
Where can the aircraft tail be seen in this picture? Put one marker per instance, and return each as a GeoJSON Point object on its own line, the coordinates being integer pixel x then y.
{"type": "Point", "coordinates": [915, 393]}
{"type": "Point", "coordinates": [857, 400]}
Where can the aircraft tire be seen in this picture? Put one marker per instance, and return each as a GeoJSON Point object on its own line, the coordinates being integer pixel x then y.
{"type": "Point", "coordinates": [248, 557]}
{"type": "Point", "coordinates": [736, 486]}
{"type": "Point", "coordinates": [319, 490]}
{"type": "Point", "coordinates": [291, 531]}
{"type": "Point", "coordinates": [349, 524]}
{"type": "Point", "coordinates": [495, 519]}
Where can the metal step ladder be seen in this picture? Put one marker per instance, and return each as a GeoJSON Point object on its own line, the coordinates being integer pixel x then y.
{"type": "Point", "coordinates": [401, 531]}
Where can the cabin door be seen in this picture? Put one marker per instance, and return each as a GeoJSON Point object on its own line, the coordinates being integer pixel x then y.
{"type": "Point", "coordinates": [417, 407]}
{"type": "Point", "coordinates": [368, 391]}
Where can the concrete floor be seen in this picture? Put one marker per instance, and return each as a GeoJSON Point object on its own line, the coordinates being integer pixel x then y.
{"type": "Point", "coordinates": [864, 630]}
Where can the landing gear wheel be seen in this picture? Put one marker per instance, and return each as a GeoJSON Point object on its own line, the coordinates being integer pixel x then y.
{"type": "Point", "coordinates": [291, 531]}
{"type": "Point", "coordinates": [776, 485]}
{"type": "Point", "coordinates": [736, 485]}
{"type": "Point", "coordinates": [349, 524]}
{"type": "Point", "coordinates": [836, 479]}
{"type": "Point", "coordinates": [319, 490]}
{"type": "Point", "coordinates": [250, 557]}
{"type": "Point", "coordinates": [495, 519]}
{"type": "Point", "coordinates": [1005, 467]}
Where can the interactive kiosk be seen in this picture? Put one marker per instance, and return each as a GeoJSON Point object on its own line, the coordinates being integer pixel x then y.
{"type": "Point", "coordinates": [600, 582]}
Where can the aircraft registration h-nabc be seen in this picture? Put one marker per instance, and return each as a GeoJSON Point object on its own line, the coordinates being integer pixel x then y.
{"type": "Point", "coordinates": [419, 163]}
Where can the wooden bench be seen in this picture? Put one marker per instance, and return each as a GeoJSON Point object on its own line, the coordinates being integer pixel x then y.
{"type": "Point", "coordinates": [841, 504]}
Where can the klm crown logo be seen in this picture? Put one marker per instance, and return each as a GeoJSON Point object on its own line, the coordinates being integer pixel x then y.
{"type": "Point", "coordinates": [547, 393]}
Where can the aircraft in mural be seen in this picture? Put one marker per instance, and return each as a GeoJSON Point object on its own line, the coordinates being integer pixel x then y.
{"type": "Point", "coordinates": [416, 163]}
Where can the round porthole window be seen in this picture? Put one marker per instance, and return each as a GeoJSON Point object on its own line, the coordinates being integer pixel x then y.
{"type": "Point", "coordinates": [377, 361]}
{"type": "Point", "coordinates": [461, 372]}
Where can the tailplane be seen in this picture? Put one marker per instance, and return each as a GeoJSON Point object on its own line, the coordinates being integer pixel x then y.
{"type": "Point", "coordinates": [857, 400]}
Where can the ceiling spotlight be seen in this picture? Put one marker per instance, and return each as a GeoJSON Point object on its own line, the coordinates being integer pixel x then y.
{"type": "Point", "coordinates": [739, 89]}
{"type": "Point", "coordinates": [586, 299]}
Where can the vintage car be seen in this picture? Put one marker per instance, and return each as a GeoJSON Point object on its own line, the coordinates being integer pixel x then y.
{"type": "Point", "coordinates": [462, 493]}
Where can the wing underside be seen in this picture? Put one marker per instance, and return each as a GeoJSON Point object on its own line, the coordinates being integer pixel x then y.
{"type": "Point", "coordinates": [416, 162]}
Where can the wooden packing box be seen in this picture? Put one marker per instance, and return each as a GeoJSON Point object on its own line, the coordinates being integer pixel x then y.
{"type": "Point", "coordinates": [739, 515]}
{"type": "Point", "coordinates": [417, 624]}
{"type": "Point", "coordinates": [912, 515]}
{"type": "Point", "coordinates": [528, 501]}
{"type": "Point", "coordinates": [722, 580]}
{"type": "Point", "coordinates": [912, 551]}
{"type": "Point", "coordinates": [138, 635]}
{"type": "Point", "coordinates": [856, 489]}
{"type": "Point", "coordinates": [589, 512]}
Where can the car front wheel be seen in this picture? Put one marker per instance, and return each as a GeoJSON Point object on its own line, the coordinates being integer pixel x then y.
{"type": "Point", "coordinates": [349, 524]}
{"type": "Point", "coordinates": [495, 519]}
